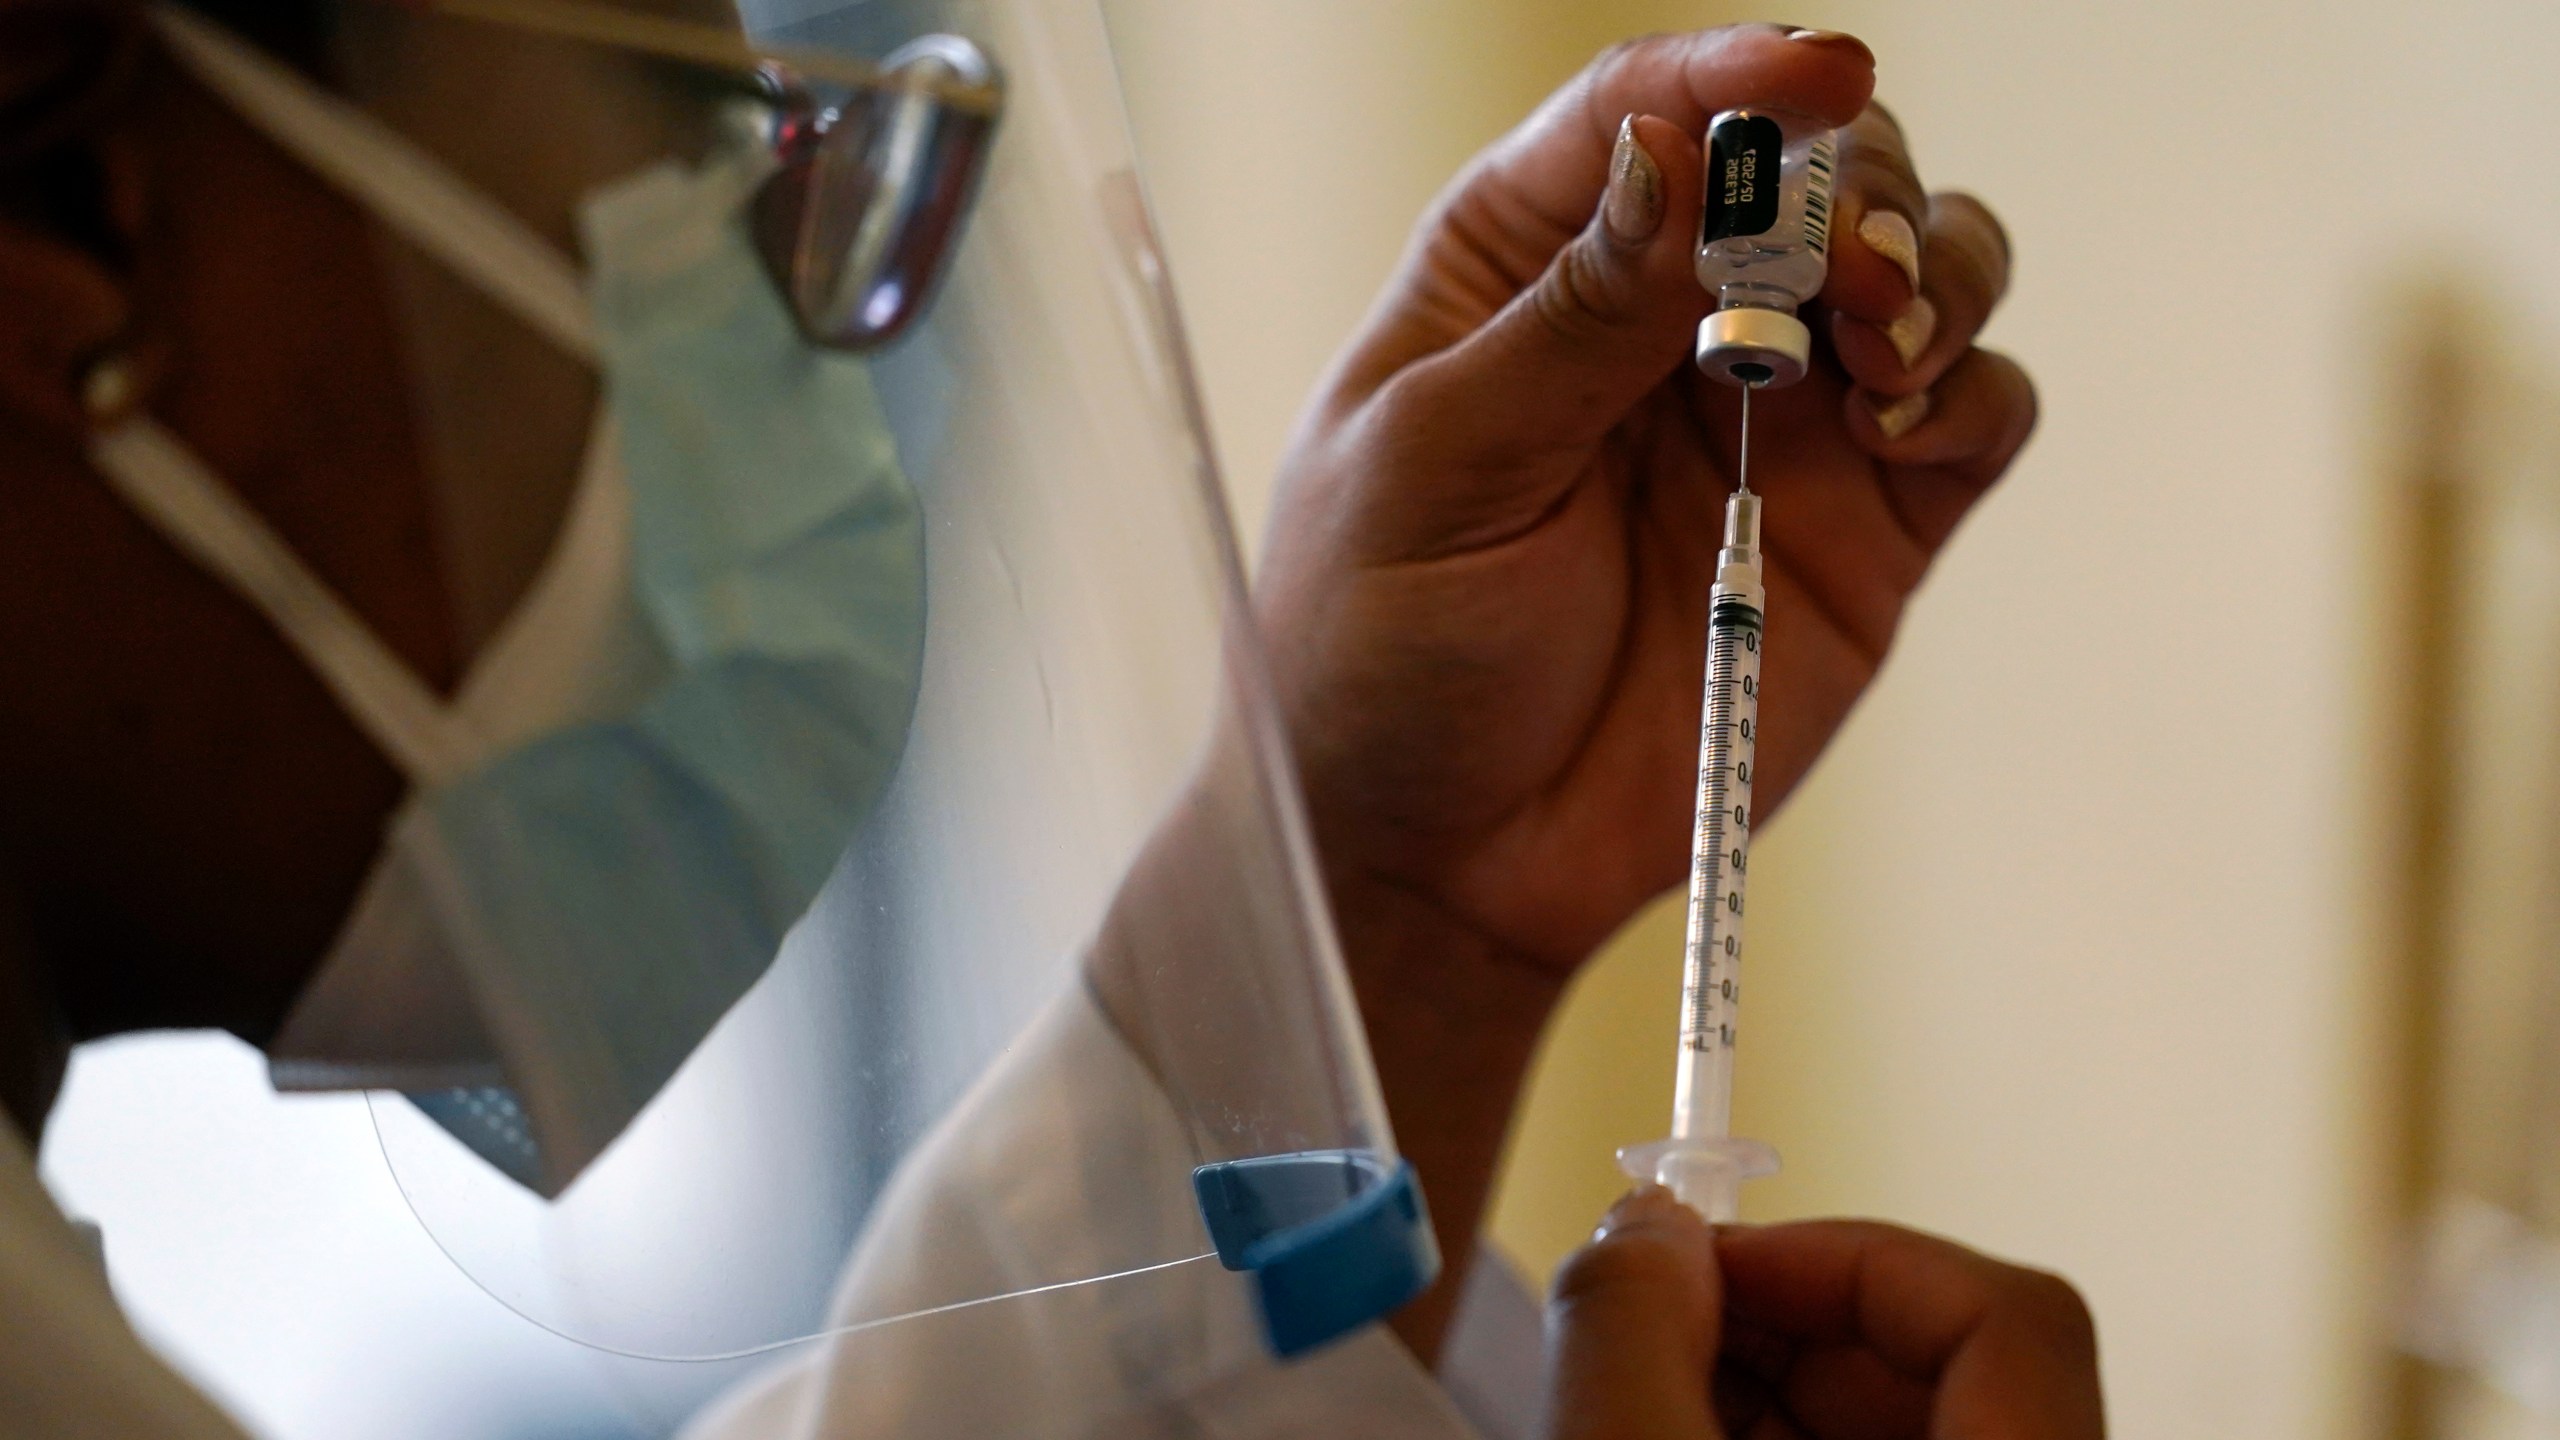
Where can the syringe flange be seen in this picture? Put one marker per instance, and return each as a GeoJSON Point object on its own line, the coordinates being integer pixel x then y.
{"type": "Point", "coordinates": [1706, 1175]}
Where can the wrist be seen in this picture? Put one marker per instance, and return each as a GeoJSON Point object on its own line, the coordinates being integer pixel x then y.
{"type": "Point", "coordinates": [1453, 1021]}
{"type": "Point", "coordinates": [1406, 952]}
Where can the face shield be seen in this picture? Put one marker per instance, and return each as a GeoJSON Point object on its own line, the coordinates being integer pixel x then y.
{"type": "Point", "coordinates": [854, 896]}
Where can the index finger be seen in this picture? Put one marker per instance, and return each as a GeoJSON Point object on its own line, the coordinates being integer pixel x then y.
{"type": "Point", "coordinates": [1556, 162]}
{"type": "Point", "coordinates": [2011, 1347]}
{"type": "Point", "coordinates": [1633, 1325]}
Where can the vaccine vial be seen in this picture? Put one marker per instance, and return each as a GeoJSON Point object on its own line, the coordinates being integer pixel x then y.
{"type": "Point", "coordinates": [1763, 242]}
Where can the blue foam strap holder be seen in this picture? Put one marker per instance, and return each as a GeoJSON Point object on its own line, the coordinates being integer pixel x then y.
{"type": "Point", "coordinates": [1334, 1238]}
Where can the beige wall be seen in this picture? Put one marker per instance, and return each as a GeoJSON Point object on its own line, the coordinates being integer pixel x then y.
{"type": "Point", "coordinates": [2063, 950]}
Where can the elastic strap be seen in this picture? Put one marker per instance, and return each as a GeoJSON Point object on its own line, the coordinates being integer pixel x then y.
{"type": "Point", "coordinates": [166, 485]}
{"type": "Point", "coordinates": [407, 189]}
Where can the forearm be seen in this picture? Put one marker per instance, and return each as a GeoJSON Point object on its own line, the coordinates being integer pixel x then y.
{"type": "Point", "coordinates": [1453, 1021]}
{"type": "Point", "coordinates": [1450, 1019]}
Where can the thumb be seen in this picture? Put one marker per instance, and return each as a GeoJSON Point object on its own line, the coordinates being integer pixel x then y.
{"type": "Point", "coordinates": [1633, 1325]}
{"type": "Point", "coordinates": [1614, 312]}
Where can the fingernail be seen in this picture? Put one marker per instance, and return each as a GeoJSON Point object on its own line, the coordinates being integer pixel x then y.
{"type": "Point", "coordinates": [1896, 417]}
{"type": "Point", "coordinates": [1632, 209]}
{"type": "Point", "coordinates": [1912, 330]}
{"type": "Point", "coordinates": [1891, 236]}
{"type": "Point", "coordinates": [1835, 40]}
{"type": "Point", "coordinates": [1645, 1202]}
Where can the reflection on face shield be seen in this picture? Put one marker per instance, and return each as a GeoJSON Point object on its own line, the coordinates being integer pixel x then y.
{"type": "Point", "coordinates": [869, 203]}
{"type": "Point", "coordinates": [870, 826]}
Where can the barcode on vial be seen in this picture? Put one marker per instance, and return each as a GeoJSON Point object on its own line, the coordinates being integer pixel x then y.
{"type": "Point", "coordinates": [1817, 197]}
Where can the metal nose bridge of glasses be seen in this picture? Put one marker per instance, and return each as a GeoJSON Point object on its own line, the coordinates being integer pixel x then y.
{"type": "Point", "coordinates": [879, 160]}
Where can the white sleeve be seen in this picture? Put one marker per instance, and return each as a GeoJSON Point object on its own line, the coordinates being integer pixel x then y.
{"type": "Point", "coordinates": [1494, 1364]}
{"type": "Point", "coordinates": [71, 1367]}
{"type": "Point", "coordinates": [1064, 1163]}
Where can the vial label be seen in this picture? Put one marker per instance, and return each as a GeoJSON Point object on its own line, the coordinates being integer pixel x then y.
{"type": "Point", "coordinates": [1817, 197]}
{"type": "Point", "coordinates": [1744, 153]}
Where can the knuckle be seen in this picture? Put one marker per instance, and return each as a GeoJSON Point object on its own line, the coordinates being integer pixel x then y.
{"type": "Point", "coordinates": [1661, 47]}
{"type": "Point", "coordinates": [1886, 181]}
{"type": "Point", "coordinates": [2011, 387]}
{"type": "Point", "coordinates": [1578, 298]}
{"type": "Point", "coordinates": [1965, 213]}
{"type": "Point", "coordinates": [1880, 172]}
{"type": "Point", "coordinates": [1400, 395]}
{"type": "Point", "coordinates": [1964, 266]}
{"type": "Point", "coordinates": [2021, 392]}
{"type": "Point", "coordinates": [1876, 139]}
{"type": "Point", "coordinates": [1611, 62]}
{"type": "Point", "coordinates": [1397, 422]}
{"type": "Point", "coordinates": [1615, 57]}
{"type": "Point", "coordinates": [1996, 402]}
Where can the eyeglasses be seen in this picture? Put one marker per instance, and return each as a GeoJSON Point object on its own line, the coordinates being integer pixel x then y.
{"type": "Point", "coordinates": [862, 219]}
{"type": "Point", "coordinates": [879, 161]}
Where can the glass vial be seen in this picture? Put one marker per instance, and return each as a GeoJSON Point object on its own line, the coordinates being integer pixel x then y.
{"type": "Point", "coordinates": [1763, 242]}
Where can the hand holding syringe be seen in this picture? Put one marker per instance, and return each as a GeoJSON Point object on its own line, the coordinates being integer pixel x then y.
{"type": "Point", "coordinates": [1760, 251]}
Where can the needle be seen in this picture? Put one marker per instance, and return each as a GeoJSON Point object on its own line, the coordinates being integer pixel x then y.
{"type": "Point", "coordinates": [1743, 481]}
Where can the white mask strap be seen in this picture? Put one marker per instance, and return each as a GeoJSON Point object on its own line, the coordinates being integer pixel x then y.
{"type": "Point", "coordinates": [403, 186]}
{"type": "Point", "coordinates": [165, 483]}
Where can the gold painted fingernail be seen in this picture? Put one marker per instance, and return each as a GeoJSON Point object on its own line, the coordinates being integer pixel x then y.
{"type": "Point", "coordinates": [1912, 330]}
{"type": "Point", "coordinates": [1890, 235]}
{"type": "Point", "coordinates": [1632, 208]}
{"type": "Point", "coordinates": [1897, 417]}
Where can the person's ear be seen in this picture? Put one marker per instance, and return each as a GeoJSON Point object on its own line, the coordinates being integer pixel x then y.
{"type": "Point", "coordinates": [73, 206]}
{"type": "Point", "coordinates": [65, 320]}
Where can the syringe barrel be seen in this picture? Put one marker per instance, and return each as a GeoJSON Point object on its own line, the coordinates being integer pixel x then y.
{"type": "Point", "coordinates": [1728, 744]}
{"type": "Point", "coordinates": [1741, 530]}
{"type": "Point", "coordinates": [1738, 563]}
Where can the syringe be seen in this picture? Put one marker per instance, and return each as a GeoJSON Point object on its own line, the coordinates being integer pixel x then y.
{"type": "Point", "coordinates": [1701, 1161]}
{"type": "Point", "coordinates": [1762, 252]}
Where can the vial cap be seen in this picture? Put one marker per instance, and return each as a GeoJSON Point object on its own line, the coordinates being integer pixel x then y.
{"type": "Point", "coordinates": [1750, 346]}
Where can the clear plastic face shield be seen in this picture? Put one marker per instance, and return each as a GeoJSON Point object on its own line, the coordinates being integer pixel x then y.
{"type": "Point", "coordinates": [856, 886]}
